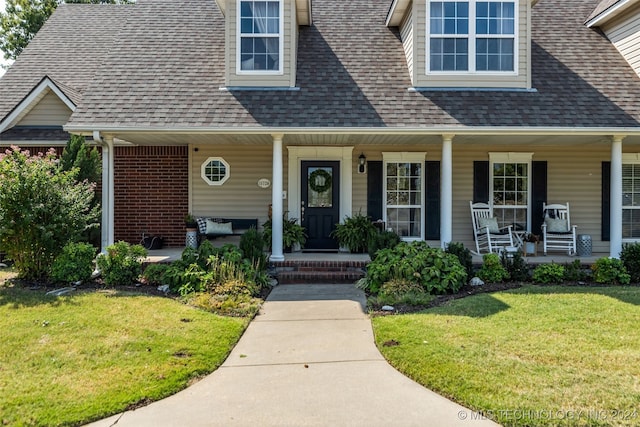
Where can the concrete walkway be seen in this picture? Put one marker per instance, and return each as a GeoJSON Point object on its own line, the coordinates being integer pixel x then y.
{"type": "Point", "coordinates": [308, 359]}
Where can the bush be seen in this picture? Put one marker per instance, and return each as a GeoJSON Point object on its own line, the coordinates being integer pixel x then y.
{"type": "Point", "coordinates": [382, 240]}
{"type": "Point", "coordinates": [397, 287]}
{"type": "Point", "coordinates": [74, 264]}
{"type": "Point", "coordinates": [630, 257]}
{"type": "Point", "coordinates": [548, 273]}
{"type": "Point", "coordinates": [355, 233]}
{"type": "Point", "coordinates": [492, 270]}
{"type": "Point", "coordinates": [42, 208]}
{"type": "Point", "coordinates": [515, 265]}
{"type": "Point", "coordinates": [573, 271]}
{"type": "Point", "coordinates": [252, 245]}
{"type": "Point", "coordinates": [463, 254]}
{"type": "Point", "coordinates": [435, 270]}
{"type": "Point", "coordinates": [610, 271]}
{"type": "Point", "coordinates": [241, 305]}
{"type": "Point", "coordinates": [154, 274]}
{"type": "Point", "coordinates": [122, 264]}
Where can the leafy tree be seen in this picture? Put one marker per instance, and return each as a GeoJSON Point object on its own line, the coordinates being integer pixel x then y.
{"type": "Point", "coordinates": [42, 208]}
{"type": "Point", "coordinates": [22, 19]}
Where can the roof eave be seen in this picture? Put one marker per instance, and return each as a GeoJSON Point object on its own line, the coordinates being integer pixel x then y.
{"type": "Point", "coordinates": [610, 13]}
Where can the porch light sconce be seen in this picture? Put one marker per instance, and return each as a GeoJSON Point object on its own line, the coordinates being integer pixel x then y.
{"type": "Point", "coordinates": [362, 162]}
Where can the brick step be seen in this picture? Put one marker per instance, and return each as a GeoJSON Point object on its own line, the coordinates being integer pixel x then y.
{"type": "Point", "coordinates": [309, 277]}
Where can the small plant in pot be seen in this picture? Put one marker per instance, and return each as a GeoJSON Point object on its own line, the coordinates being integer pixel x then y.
{"type": "Point", "coordinates": [292, 233]}
{"type": "Point", "coordinates": [190, 222]}
{"type": "Point", "coordinates": [355, 233]}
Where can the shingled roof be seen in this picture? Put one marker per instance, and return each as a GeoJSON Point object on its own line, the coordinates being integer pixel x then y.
{"type": "Point", "coordinates": [165, 71]}
{"type": "Point", "coordinates": [69, 49]}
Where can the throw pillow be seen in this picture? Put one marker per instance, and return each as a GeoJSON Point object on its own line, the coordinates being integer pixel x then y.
{"type": "Point", "coordinates": [556, 225]}
{"type": "Point", "coordinates": [219, 227]}
{"type": "Point", "coordinates": [202, 224]}
{"type": "Point", "coordinates": [492, 223]}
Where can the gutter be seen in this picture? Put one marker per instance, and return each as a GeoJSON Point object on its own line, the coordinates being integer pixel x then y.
{"type": "Point", "coordinates": [492, 130]}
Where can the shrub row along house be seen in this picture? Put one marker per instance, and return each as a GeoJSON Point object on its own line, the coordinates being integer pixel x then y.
{"type": "Point", "coordinates": [402, 110]}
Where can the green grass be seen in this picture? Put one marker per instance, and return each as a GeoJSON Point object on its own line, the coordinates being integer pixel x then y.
{"type": "Point", "coordinates": [74, 359]}
{"type": "Point", "coordinates": [527, 357]}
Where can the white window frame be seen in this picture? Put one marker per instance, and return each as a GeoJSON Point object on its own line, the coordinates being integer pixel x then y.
{"type": "Point", "coordinates": [404, 157]}
{"type": "Point", "coordinates": [240, 35]}
{"type": "Point", "coordinates": [512, 158]}
{"type": "Point", "coordinates": [630, 159]}
{"type": "Point", "coordinates": [205, 177]}
{"type": "Point", "coordinates": [471, 37]}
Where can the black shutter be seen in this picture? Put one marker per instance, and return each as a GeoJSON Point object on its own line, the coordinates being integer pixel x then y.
{"type": "Point", "coordinates": [374, 189]}
{"type": "Point", "coordinates": [538, 194]}
{"type": "Point", "coordinates": [606, 202]}
{"type": "Point", "coordinates": [481, 181]}
{"type": "Point", "coordinates": [432, 200]}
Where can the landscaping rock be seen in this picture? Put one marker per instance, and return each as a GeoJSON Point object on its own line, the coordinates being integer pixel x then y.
{"type": "Point", "coordinates": [476, 281]}
{"type": "Point", "coordinates": [164, 288]}
{"type": "Point", "coordinates": [387, 308]}
{"type": "Point", "coordinates": [2, 265]}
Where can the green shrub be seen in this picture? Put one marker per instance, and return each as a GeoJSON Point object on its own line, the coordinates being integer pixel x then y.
{"type": "Point", "coordinates": [492, 270]}
{"type": "Point", "coordinates": [252, 246]}
{"type": "Point", "coordinates": [355, 233]}
{"type": "Point", "coordinates": [463, 254]}
{"type": "Point", "coordinates": [610, 271]}
{"type": "Point", "coordinates": [630, 257]}
{"type": "Point", "coordinates": [42, 208]}
{"type": "Point", "coordinates": [515, 265]}
{"type": "Point", "coordinates": [235, 287]}
{"type": "Point", "coordinates": [435, 270]}
{"type": "Point", "coordinates": [122, 264]}
{"type": "Point", "coordinates": [154, 274]}
{"type": "Point", "coordinates": [573, 271]}
{"type": "Point", "coordinates": [548, 273]}
{"type": "Point", "coordinates": [74, 264]}
{"type": "Point", "coordinates": [382, 240]}
{"type": "Point", "coordinates": [398, 287]}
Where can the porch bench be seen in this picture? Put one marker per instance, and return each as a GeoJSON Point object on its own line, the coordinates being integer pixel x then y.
{"type": "Point", "coordinates": [212, 227]}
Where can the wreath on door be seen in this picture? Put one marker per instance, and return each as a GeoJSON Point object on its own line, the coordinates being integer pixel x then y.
{"type": "Point", "coordinates": [320, 185]}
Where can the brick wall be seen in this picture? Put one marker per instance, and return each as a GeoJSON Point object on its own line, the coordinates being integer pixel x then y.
{"type": "Point", "coordinates": [151, 193]}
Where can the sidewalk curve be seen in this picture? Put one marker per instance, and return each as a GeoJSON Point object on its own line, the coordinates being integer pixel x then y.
{"type": "Point", "coordinates": [308, 359]}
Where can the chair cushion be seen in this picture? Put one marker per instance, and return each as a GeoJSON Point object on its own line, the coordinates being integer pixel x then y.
{"type": "Point", "coordinates": [492, 223]}
{"type": "Point", "coordinates": [556, 225]}
{"type": "Point", "coordinates": [219, 227]}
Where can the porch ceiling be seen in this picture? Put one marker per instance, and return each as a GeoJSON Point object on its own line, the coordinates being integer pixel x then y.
{"type": "Point", "coordinates": [343, 139]}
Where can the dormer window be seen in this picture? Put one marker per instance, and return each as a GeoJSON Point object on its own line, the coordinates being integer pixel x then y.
{"type": "Point", "coordinates": [471, 36]}
{"type": "Point", "coordinates": [260, 46]}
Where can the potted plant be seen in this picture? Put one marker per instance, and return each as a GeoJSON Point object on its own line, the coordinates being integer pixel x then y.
{"type": "Point", "coordinates": [292, 233]}
{"type": "Point", "coordinates": [190, 222]}
{"type": "Point", "coordinates": [530, 243]}
{"type": "Point", "coordinates": [355, 233]}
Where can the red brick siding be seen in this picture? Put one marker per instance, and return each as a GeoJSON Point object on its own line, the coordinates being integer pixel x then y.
{"type": "Point", "coordinates": [151, 193]}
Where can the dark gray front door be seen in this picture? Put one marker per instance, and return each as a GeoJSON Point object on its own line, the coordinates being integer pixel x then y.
{"type": "Point", "coordinates": [320, 203]}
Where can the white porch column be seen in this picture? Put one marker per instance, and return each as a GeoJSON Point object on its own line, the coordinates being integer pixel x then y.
{"type": "Point", "coordinates": [446, 191]}
{"type": "Point", "coordinates": [107, 220]}
{"type": "Point", "coordinates": [615, 224]}
{"type": "Point", "coordinates": [276, 200]}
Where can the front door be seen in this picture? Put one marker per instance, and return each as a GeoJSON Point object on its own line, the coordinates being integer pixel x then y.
{"type": "Point", "coordinates": [320, 203]}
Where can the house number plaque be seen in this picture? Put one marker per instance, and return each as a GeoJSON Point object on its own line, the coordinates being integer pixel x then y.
{"type": "Point", "coordinates": [264, 183]}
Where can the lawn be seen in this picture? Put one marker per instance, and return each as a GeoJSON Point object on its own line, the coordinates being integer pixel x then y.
{"type": "Point", "coordinates": [73, 359]}
{"type": "Point", "coordinates": [534, 356]}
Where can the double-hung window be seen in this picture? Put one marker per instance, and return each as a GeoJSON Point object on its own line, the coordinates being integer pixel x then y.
{"type": "Point", "coordinates": [631, 198]}
{"type": "Point", "coordinates": [260, 36]}
{"type": "Point", "coordinates": [510, 188]}
{"type": "Point", "coordinates": [404, 194]}
{"type": "Point", "coordinates": [471, 36]}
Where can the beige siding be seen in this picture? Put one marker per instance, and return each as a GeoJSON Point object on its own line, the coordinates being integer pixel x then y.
{"type": "Point", "coordinates": [288, 77]}
{"type": "Point", "coordinates": [519, 81]}
{"type": "Point", "coordinates": [624, 33]}
{"type": "Point", "coordinates": [577, 182]}
{"type": "Point", "coordinates": [406, 33]}
{"type": "Point", "coordinates": [50, 111]}
{"type": "Point", "coordinates": [240, 196]}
